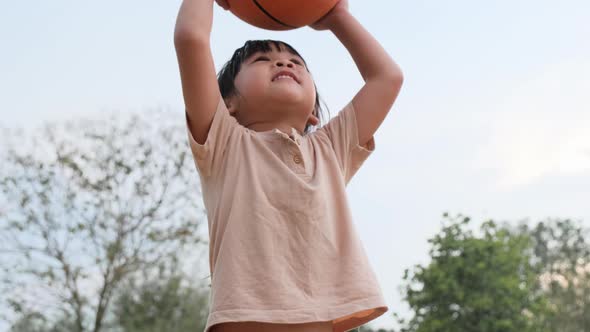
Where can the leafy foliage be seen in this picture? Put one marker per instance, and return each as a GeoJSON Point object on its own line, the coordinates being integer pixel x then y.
{"type": "Point", "coordinates": [475, 282]}
{"type": "Point", "coordinates": [166, 302]}
{"type": "Point", "coordinates": [562, 259]}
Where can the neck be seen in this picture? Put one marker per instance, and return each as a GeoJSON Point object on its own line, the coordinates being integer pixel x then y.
{"type": "Point", "coordinates": [265, 119]}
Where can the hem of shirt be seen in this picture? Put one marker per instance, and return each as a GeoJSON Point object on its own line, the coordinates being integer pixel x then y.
{"type": "Point", "coordinates": [297, 316]}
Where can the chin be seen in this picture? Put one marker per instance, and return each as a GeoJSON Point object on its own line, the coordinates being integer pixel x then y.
{"type": "Point", "coordinates": [289, 97]}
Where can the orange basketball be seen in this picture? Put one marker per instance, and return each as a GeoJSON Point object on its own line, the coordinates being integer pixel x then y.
{"type": "Point", "coordinates": [280, 14]}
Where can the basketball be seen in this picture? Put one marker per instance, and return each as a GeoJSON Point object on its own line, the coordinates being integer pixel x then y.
{"type": "Point", "coordinates": [280, 14]}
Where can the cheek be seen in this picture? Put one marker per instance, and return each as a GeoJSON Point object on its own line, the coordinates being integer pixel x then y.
{"type": "Point", "coordinates": [310, 95]}
{"type": "Point", "coordinates": [247, 83]}
{"type": "Point", "coordinates": [308, 81]}
{"type": "Point", "coordinates": [310, 89]}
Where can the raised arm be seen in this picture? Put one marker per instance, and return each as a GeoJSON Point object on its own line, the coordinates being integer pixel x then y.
{"type": "Point", "coordinates": [383, 77]}
{"type": "Point", "coordinates": [197, 71]}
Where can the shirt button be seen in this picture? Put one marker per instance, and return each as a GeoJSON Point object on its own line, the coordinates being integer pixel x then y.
{"type": "Point", "coordinates": [297, 159]}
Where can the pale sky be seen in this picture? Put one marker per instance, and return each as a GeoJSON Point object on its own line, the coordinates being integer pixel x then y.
{"type": "Point", "coordinates": [493, 120]}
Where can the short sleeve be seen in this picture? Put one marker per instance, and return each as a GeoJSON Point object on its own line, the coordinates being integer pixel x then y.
{"type": "Point", "coordinates": [342, 131]}
{"type": "Point", "coordinates": [210, 155]}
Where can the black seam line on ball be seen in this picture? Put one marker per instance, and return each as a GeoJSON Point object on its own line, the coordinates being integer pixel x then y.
{"type": "Point", "coordinates": [270, 16]}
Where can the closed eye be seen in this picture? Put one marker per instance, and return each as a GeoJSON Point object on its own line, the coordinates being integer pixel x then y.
{"type": "Point", "coordinates": [265, 58]}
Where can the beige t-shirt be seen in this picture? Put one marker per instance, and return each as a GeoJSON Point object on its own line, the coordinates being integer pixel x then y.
{"type": "Point", "coordinates": [283, 247]}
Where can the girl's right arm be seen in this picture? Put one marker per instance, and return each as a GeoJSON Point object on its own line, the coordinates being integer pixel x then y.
{"type": "Point", "coordinates": [197, 71]}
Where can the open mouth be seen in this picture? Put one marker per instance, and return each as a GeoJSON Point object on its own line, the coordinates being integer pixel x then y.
{"type": "Point", "coordinates": [285, 75]}
{"type": "Point", "coordinates": [282, 76]}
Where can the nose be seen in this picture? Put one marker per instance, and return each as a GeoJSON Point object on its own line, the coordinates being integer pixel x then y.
{"type": "Point", "coordinates": [281, 63]}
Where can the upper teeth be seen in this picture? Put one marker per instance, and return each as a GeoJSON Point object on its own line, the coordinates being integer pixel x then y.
{"type": "Point", "coordinates": [283, 76]}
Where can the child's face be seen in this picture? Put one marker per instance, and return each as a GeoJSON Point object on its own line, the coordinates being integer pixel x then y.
{"type": "Point", "coordinates": [275, 78]}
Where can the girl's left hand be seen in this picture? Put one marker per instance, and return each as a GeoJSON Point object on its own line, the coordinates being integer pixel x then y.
{"type": "Point", "coordinates": [223, 4]}
{"type": "Point", "coordinates": [327, 20]}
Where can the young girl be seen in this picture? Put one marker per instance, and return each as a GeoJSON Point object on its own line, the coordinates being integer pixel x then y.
{"type": "Point", "coordinates": [284, 254]}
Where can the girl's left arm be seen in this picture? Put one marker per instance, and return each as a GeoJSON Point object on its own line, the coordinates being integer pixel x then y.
{"type": "Point", "coordinates": [383, 77]}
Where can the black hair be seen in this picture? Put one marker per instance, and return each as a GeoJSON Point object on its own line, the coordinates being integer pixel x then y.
{"type": "Point", "coordinates": [229, 71]}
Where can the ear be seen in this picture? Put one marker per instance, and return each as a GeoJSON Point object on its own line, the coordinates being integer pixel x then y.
{"type": "Point", "coordinates": [313, 120]}
{"type": "Point", "coordinates": [232, 104]}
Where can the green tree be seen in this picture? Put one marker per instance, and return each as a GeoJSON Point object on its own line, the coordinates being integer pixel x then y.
{"type": "Point", "coordinates": [86, 204]}
{"type": "Point", "coordinates": [474, 282]}
{"type": "Point", "coordinates": [562, 260]}
{"type": "Point", "coordinates": [165, 302]}
{"type": "Point", "coordinates": [37, 322]}
{"type": "Point", "coordinates": [30, 322]}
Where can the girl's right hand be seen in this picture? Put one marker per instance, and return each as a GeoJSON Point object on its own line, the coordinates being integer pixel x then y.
{"type": "Point", "coordinates": [223, 4]}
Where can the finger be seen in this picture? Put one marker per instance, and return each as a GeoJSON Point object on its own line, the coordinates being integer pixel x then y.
{"type": "Point", "coordinates": [223, 4]}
